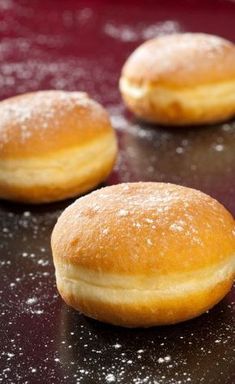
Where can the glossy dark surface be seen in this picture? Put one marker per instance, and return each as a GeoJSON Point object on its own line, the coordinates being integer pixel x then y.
{"type": "Point", "coordinates": [81, 45]}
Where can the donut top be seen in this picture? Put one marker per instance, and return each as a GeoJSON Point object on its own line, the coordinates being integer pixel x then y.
{"type": "Point", "coordinates": [39, 123]}
{"type": "Point", "coordinates": [181, 60]}
{"type": "Point", "coordinates": [141, 227]}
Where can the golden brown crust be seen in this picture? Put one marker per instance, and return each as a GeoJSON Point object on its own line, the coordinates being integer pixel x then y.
{"type": "Point", "coordinates": [144, 254]}
{"type": "Point", "coordinates": [150, 313]}
{"type": "Point", "coordinates": [41, 123]}
{"type": "Point", "coordinates": [181, 60]}
{"type": "Point", "coordinates": [53, 145]}
{"type": "Point", "coordinates": [181, 79]}
{"type": "Point", "coordinates": [200, 105]}
{"type": "Point", "coordinates": [55, 190]}
{"type": "Point", "coordinates": [141, 227]}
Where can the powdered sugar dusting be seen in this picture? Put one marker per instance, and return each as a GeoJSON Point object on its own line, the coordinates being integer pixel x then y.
{"type": "Point", "coordinates": [149, 242]}
{"type": "Point", "coordinates": [127, 33]}
{"type": "Point", "coordinates": [122, 212]}
{"type": "Point", "coordinates": [110, 378]}
{"type": "Point", "coordinates": [138, 215]}
{"type": "Point", "coordinates": [174, 58]}
{"type": "Point", "coordinates": [47, 339]}
{"type": "Point", "coordinates": [42, 106]}
{"type": "Point", "coordinates": [178, 226]}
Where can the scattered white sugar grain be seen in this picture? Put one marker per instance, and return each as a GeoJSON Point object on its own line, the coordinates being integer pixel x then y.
{"type": "Point", "coordinates": [117, 346]}
{"type": "Point", "coordinates": [179, 150]}
{"type": "Point", "coordinates": [176, 227]}
{"type": "Point", "coordinates": [27, 214]}
{"type": "Point", "coordinates": [219, 147]}
{"type": "Point", "coordinates": [127, 33]}
{"type": "Point", "coordinates": [43, 263]}
{"type": "Point", "coordinates": [38, 312]}
{"type": "Point", "coordinates": [122, 212]}
{"type": "Point", "coordinates": [12, 285]}
{"type": "Point", "coordinates": [217, 341]}
{"type": "Point", "coordinates": [160, 360]}
{"type": "Point", "coordinates": [33, 370]}
{"type": "Point", "coordinates": [10, 354]}
{"type": "Point", "coordinates": [149, 242]}
{"type": "Point", "coordinates": [140, 351]}
{"type": "Point", "coordinates": [137, 225]}
{"type": "Point", "coordinates": [149, 220]}
{"type": "Point", "coordinates": [24, 254]}
{"type": "Point", "coordinates": [105, 231]}
{"type": "Point", "coordinates": [123, 34]}
{"type": "Point", "coordinates": [96, 207]}
{"type": "Point", "coordinates": [129, 361]}
{"type": "Point", "coordinates": [110, 378]}
{"type": "Point", "coordinates": [165, 359]}
{"type": "Point", "coordinates": [119, 122]}
{"type": "Point", "coordinates": [31, 300]}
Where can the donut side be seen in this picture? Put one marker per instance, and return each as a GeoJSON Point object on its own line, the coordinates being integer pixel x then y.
{"type": "Point", "coordinates": [59, 175]}
{"type": "Point", "coordinates": [134, 301]}
{"type": "Point", "coordinates": [203, 104]}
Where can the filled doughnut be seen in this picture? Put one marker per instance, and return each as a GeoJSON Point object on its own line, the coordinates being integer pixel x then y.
{"type": "Point", "coordinates": [144, 254]}
{"type": "Point", "coordinates": [181, 79]}
{"type": "Point", "coordinates": [53, 145]}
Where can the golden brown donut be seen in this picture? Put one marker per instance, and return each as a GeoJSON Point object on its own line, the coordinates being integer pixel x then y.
{"type": "Point", "coordinates": [53, 145]}
{"type": "Point", "coordinates": [181, 79]}
{"type": "Point", "coordinates": [144, 254]}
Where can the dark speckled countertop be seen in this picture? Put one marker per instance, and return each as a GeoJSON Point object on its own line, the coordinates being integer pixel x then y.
{"type": "Point", "coordinates": [81, 45]}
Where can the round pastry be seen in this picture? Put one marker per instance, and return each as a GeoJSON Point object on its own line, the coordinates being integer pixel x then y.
{"type": "Point", "coordinates": [181, 79]}
{"type": "Point", "coordinates": [53, 145]}
{"type": "Point", "coordinates": [144, 254]}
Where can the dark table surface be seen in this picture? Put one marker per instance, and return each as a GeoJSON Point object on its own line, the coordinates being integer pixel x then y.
{"type": "Point", "coordinates": [81, 45]}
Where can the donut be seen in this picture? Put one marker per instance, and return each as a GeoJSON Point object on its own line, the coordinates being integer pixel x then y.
{"type": "Point", "coordinates": [53, 145]}
{"type": "Point", "coordinates": [181, 79]}
{"type": "Point", "coordinates": [144, 254]}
